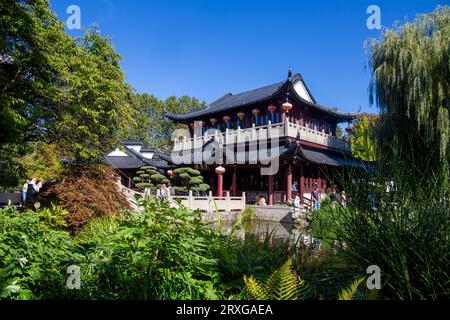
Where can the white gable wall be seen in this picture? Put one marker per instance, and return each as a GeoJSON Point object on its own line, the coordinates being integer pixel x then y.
{"type": "Point", "coordinates": [117, 153]}
{"type": "Point", "coordinates": [301, 91]}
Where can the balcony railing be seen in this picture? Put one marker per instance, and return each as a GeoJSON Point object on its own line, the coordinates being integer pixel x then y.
{"type": "Point", "coordinates": [269, 131]}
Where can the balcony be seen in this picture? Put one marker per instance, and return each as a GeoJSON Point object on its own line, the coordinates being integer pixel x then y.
{"type": "Point", "coordinates": [269, 131]}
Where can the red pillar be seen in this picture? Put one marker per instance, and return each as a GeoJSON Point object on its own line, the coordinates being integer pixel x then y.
{"type": "Point", "coordinates": [220, 171]}
{"type": "Point", "coordinates": [270, 202]}
{"type": "Point", "coordinates": [219, 185]}
{"type": "Point", "coordinates": [289, 182]}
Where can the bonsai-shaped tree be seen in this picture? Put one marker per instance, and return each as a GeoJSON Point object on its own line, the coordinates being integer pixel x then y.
{"type": "Point", "coordinates": [189, 179]}
{"type": "Point", "coordinates": [149, 178]}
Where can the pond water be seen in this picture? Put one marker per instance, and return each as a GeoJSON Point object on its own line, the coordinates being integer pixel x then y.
{"type": "Point", "coordinates": [262, 229]}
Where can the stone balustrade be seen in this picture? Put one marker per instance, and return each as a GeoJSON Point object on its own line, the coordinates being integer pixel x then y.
{"type": "Point", "coordinates": [257, 133]}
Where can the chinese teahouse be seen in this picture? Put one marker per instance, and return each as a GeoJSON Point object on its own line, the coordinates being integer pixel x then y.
{"type": "Point", "coordinates": [283, 117]}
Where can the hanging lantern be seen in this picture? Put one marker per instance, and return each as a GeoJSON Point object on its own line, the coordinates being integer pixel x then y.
{"type": "Point", "coordinates": [287, 106]}
{"type": "Point", "coordinates": [192, 125]}
{"type": "Point", "coordinates": [220, 170]}
{"type": "Point", "coordinates": [213, 121]}
{"type": "Point", "coordinates": [272, 108]}
{"type": "Point", "coordinates": [170, 173]}
{"type": "Point", "coordinates": [226, 119]}
{"type": "Point", "coordinates": [241, 115]}
{"type": "Point", "coordinates": [256, 111]}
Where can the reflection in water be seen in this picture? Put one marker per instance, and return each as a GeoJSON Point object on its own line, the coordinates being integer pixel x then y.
{"type": "Point", "coordinates": [274, 230]}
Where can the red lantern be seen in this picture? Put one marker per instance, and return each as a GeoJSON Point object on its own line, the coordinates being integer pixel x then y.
{"type": "Point", "coordinates": [220, 170]}
{"type": "Point", "coordinates": [192, 125]}
{"type": "Point", "coordinates": [226, 119]}
{"type": "Point", "coordinates": [256, 112]}
{"type": "Point", "coordinates": [241, 115]}
{"type": "Point", "coordinates": [272, 108]}
{"type": "Point", "coordinates": [213, 121]}
{"type": "Point", "coordinates": [170, 173]}
{"type": "Point", "coordinates": [287, 106]}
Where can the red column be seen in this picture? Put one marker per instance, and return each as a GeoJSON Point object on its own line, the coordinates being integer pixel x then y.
{"type": "Point", "coordinates": [220, 171]}
{"type": "Point", "coordinates": [219, 185]}
{"type": "Point", "coordinates": [289, 182]}
{"type": "Point", "coordinates": [234, 182]}
{"type": "Point", "coordinates": [270, 191]}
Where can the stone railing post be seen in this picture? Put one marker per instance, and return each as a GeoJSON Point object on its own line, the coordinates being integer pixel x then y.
{"type": "Point", "coordinates": [227, 205]}
{"type": "Point", "coordinates": [243, 201]}
{"type": "Point", "coordinates": [191, 200]}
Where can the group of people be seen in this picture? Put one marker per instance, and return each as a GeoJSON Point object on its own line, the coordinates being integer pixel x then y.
{"type": "Point", "coordinates": [30, 191]}
{"type": "Point", "coordinates": [165, 192]}
{"type": "Point", "coordinates": [336, 198]}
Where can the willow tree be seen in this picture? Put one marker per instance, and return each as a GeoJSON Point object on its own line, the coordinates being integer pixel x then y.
{"type": "Point", "coordinates": [410, 84]}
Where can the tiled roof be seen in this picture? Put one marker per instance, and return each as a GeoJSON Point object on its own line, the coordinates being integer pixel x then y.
{"type": "Point", "coordinates": [135, 160]}
{"type": "Point", "coordinates": [230, 101]}
{"type": "Point", "coordinates": [124, 162]}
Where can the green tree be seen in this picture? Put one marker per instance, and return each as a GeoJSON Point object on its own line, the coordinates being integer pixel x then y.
{"type": "Point", "coordinates": [57, 89]}
{"type": "Point", "coordinates": [151, 125]}
{"type": "Point", "coordinates": [362, 139]}
{"type": "Point", "coordinates": [410, 83]}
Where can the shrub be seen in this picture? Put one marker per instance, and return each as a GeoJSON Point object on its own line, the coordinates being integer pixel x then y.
{"type": "Point", "coordinates": [34, 254]}
{"type": "Point", "coordinates": [149, 178]}
{"type": "Point", "coordinates": [86, 193]}
{"type": "Point", "coordinates": [189, 179]}
{"type": "Point", "coordinates": [159, 253]}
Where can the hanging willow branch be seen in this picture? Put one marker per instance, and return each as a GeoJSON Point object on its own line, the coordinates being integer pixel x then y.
{"type": "Point", "coordinates": [410, 84]}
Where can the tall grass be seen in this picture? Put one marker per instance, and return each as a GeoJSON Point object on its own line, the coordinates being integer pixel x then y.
{"type": "Point", "coordinates": [406, 231]}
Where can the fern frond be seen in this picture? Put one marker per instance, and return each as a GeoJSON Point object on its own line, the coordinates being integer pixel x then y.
{"type": "Point", "coordinates": [349, 293]}
{"type": "Point", "coordinates": [282, 284]}
{"type": "Point", "coordinates": [255, 291]}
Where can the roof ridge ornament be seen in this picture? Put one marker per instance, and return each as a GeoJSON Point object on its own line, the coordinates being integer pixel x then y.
{"type": "Point", "coordinates": [290, 74]}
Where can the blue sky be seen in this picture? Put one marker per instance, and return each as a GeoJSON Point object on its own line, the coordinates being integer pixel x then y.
{"type": "Point", "coordinates": [207, 48]}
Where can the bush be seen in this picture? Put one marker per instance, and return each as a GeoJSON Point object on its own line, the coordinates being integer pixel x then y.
{"type": "Point", "coordinates": [34, 254]}
{"type": "Point", "coordinates": [86, 193]}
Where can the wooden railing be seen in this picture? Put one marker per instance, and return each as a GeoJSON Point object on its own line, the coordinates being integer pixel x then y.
{"type": "Point", "coordinates": [256, 133]}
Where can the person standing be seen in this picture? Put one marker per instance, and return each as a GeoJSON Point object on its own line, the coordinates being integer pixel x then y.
{"type": "Point", "coordinates": [335, 198]}
{"type": "Point", "coordinates": [24, 192]}
{"type": "Point", "coordinates": [163, 191]}
{"type": "Point", "coordinates": [343, 198]}
{"type": "Point", "coordinates": [31, 193]}
{"type": "Point", "coordinates": [315, 196]}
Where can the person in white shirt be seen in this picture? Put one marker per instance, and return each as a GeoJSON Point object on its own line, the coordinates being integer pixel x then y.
{"type": "Point", "coordinates": [24, 192]}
